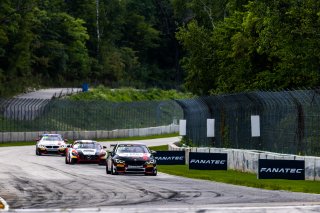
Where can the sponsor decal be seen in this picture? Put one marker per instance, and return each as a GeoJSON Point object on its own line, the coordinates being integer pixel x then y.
{"type": "Point", "coordinates": [208, 161]}
{"type": "Point", "coordinates": [88, 151]}
{"type": "Point", "coordinates": [145, 156]}
{"type": "Point", "coordinates": [138, 155]}
{"type": "Point", "coordinates": [222, 162]}
{"type": "Point", "coordinates": [170, 157]}
{"type": "Point", "coordinates": [281, 169]}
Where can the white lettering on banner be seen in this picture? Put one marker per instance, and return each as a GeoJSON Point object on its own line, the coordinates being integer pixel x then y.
{"type": "Point", "coordinates": [281, 170]}
{"type": "Point", "coordinates": [197, 161]}
{"type": "Point", "coordinates": [170, 158]}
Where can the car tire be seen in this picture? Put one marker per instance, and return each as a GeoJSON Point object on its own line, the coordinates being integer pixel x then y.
{"type": "Point", "coordinates": [107, 171]}
{"type": "Point", "coordinates": [113, 172]}
{"type": "Point", "coordinates": [152, 174]}
{"type": "Point", "coordinates": [66, 160]}
{"type": "Point", "coordinates": [73, 161]}
{"type": "Point", "coordinates": [155, 172]}
{"type": "Point", "coordinates": [37, 152]}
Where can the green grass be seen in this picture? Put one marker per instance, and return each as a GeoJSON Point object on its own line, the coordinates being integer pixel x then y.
{"type": "Point", "coordinates": [238, 178]}
{"type": "Point", "coordinates": [23, 143]}
{"type": "Point", "coordinates": [159, 148]}
{"type": "Point", "coordinates": [129, 94]}
{"type": "Point", "coordinates": [244, 179]}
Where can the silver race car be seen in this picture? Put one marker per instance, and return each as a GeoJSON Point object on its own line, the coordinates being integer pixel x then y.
{"type": "Point", "coordinates": [51, 144]}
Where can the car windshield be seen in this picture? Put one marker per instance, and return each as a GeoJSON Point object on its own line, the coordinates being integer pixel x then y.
{"type": "Point", "coordinates": [132, 149]}
{"type": "Point", "coordinates": [51, 138]}
{"type": "Point", "coordinates": [86, 146]}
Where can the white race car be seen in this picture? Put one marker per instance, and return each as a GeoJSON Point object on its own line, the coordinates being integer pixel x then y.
{"type": "Point", "coordinates": [51, 144]}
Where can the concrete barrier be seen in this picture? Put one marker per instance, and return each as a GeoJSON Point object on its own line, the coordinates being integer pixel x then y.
{"type": "Point", "coordinates": [98, 134]}
{"type": "Point", "coordinates": [247, 160]}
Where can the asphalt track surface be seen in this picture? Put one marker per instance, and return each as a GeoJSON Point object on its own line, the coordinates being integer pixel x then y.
{"type": "Point", "coordinates": [31, 183]}
{"type": "Point", "coordinates": [48, 93]}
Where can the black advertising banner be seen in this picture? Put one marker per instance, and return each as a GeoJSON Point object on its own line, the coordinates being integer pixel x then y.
{"type": "Point", "coordinates": [170, 157]}
{"type": "Point", "coordinates": [281, 169]}
{"type": "Point", "coordinates": [208, 161]}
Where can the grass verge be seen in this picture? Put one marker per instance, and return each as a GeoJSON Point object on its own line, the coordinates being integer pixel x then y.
{"type": "Point", "coordinates": [159, 148]}
{"type": "Point", "coordinates": [22, 143]}
{"type": "Point", "coordinates": [241, 178]}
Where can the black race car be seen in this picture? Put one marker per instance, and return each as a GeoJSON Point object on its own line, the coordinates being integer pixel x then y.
{"type": "Point", "coordinates": [131, 158]}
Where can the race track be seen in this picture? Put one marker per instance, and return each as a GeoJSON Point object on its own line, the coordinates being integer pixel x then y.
{"type": "Point", "coordinates": [28, 181]}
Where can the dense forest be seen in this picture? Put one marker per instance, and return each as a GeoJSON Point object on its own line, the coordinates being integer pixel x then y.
{"type": "Point", "coordinates": [204, 46]}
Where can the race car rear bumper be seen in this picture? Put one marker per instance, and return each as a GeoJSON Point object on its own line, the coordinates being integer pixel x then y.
{"type": "Point", "coordinates": [89, 159]}
{"type": "Point", "coordinates": [147, 169]}
{"type": "Point", "coordinates": [51, 151]}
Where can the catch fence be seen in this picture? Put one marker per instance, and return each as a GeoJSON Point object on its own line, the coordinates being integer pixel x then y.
{"type": "Point", "coordinates": [289, 121]}
{"type": "Point", "coordinates": [26, 115]}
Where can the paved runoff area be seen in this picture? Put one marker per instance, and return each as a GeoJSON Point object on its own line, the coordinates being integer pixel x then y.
{"type": "Point", "coordinates": [30, 183]}
{"type": "Point", "coordinates": [48, 93]}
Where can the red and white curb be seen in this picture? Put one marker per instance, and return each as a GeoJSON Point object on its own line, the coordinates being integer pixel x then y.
{"type": "Point", "coordinates": [3, 205]}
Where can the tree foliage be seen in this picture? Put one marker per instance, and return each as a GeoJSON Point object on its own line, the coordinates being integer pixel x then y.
{"type": "Point", "coordinates": [68, 42]}
{"type": "Point", "coordinates": [210, 46]}
{"type": "Point", "coordinates": [261, 45]}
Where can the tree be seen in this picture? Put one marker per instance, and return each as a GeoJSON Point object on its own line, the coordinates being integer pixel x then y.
{"type": "Point", "coordinates": [17, 19]}
{"type": "Point", "coordinates": [60, 54]}
{"type": "Point", "coordinates": [262, 45]}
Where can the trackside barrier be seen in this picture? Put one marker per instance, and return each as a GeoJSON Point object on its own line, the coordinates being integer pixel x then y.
{"type": "Point", "coordinates": [247, 160]}
{"type": "Point", "coordinates": [98, 134]}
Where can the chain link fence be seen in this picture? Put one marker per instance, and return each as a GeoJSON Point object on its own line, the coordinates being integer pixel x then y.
{"type": "Point", "coordinates": [26, 115]}
{"type": "Point", "coordinates": [289, 121]}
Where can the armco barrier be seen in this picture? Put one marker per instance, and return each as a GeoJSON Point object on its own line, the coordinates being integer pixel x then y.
{"type": "Point", "coordinates": [247, 160]}
{"type": "Point", "coordinates": [98, 134]}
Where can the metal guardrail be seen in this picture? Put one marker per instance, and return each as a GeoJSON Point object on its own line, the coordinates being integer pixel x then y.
{"type": "Point", "coordinates": [289, 121]}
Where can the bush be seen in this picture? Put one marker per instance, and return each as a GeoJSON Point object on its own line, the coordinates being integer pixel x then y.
{"type": "Point", "coordinates": [129, 94]}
